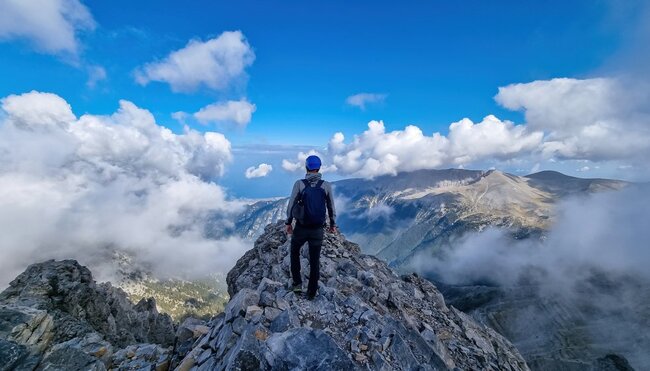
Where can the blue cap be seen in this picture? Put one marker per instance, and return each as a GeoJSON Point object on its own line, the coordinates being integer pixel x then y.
{"type": "Point", "coordinates": [312, 163]}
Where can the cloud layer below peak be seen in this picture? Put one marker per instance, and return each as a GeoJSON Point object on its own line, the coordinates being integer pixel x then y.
{"type": "Point", "coordinates": [79, 187]}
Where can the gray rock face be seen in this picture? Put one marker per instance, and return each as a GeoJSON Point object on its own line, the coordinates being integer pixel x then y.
{"type": "Point", "coordinates": [365, 317]}
{"type": "Point", "coordinates": [307, 349]}
{"type": "Point", "coordinates": [67, 292]}
{"type": "Point", "coordinates": [54, 316]}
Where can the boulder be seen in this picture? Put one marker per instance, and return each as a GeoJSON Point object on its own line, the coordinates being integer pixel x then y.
{"type": "Point", "coordinates": [307, 349]}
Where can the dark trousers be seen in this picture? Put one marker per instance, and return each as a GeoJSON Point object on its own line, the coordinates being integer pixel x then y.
{"type": "Point", "coordinates": [314, 237]}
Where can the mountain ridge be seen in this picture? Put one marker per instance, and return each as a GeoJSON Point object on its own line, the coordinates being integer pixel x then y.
{"type": "Point", "coordinates": [365, 317]}
{"type": "Point", "coordinates": [426, 209]}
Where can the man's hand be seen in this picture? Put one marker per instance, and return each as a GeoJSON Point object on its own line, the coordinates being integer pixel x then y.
{"type": "Point", "coordinates": [333, 229]}
{"type": "Point", "coordinates": [289, 229]}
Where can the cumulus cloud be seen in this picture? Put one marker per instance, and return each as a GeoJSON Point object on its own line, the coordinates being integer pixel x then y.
{"type": "Point", "coordinates": [238, 112]}
{"type": "Point", "coordinates": [51, 26]}
{"type": "Point", "coordinates": [593, 119]}
{"type": "Point", "coordinates": [214, 64]}
{"type": "Point", "coordinates": [77, 187]}
{"type": "Point", "coordinates": [261, 170]}
{"type": "Point", "coordinates": [377, 152]}
{"type": "Point", "coordinates": [362, 99]}
{"type": "Point", "coordinates": [298, 165]}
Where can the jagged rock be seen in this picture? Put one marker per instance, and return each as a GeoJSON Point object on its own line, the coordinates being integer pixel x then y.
{"type": "Point", "coordinates": [190, 328]}
{"type": "Point", "coordinates": [66, 290]}
{"type": "Point", "coordinates": [54, 316]}
{"type": "Point", "coordinates": [365, 317]}
{"type": "Point", "coordinates": [307, 349]}
{"type": "Point", "coordinates": [91, 344]}
{"type": "Point", "coordinates": [70, 359]}
{"type": "Point", "coordinates": [26, 326]}
{"type": "Point", "coordinates": [142, 357]}
{"type": "Point", "coordinates": [239, 303]}
{"type": "Point", "coordinates": [12, 354]}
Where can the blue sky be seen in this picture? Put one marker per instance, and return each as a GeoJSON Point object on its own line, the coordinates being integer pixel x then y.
{"type": "Point", "coordinates": [435, 62]}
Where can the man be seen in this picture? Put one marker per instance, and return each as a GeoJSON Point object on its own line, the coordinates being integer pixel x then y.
{"type": "Point", "coordinates": [310, 198]}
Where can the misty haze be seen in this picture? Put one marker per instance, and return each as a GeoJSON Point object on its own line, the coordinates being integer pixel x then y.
{"type": "Point", "coordinates": [471, 181]}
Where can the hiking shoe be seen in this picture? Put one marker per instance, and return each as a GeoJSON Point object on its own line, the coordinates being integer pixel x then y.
{"type": "Point", "coordinates": [297, 289]}
{"type": "Point", "coordinates": [311, 296]}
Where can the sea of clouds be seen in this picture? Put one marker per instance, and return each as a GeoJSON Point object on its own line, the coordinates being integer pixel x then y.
{"type": "Point", "coordinates": [82, 187]}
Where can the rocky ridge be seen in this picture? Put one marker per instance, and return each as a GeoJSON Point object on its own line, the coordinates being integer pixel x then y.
{"type": "Point", "coordinates": [365, 317]}
{"type": "Point", "coordinates": [54, 316]}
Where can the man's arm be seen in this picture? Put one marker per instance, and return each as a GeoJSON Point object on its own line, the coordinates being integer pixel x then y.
{"type": "Point", "coordinates": [292, 199]}
{"type": "Point", "coordinates": [331, 209]}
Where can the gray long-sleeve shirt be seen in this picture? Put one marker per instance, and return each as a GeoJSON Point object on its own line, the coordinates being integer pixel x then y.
{"type": "Point", "coordinates": [298, 186]}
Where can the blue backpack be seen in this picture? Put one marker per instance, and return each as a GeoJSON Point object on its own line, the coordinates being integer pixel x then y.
{"type": "Point", "coordinates": [309, 207]}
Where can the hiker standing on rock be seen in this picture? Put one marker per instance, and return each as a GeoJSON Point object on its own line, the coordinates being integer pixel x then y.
{"type": "Point", "coordinates": [311, 198]}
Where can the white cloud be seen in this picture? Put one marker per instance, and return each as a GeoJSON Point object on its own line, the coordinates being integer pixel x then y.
{"type": "Point", "coordinates": [238, 112]}
{"type": "Point", "coordinates": [362, 99]}
{"type": "Point", "coordinates": [292, 166]}
{"type": "Point", "coordinates": [71, 187]}
{"type": "Point", "coordinates": [51, 26]}
{"type": "Point", "coordinates": [377, 211]}
{"type": "Point", "coordinates": [261, 170]}
{"type": "Point", "coordinates": [377, 152]}
{"type": "Point", "coordinates": [594, 119]}
{"type": "Point", "coordinates": [95, 75]}
{"type": "Point", "coordinates": [34, 109]}
{"type": "Point", "coordinates": [180, 116]}
{"type": "Point", "coordinates": [214, 64]}
{"type": "Point", "coordinates": [298, 165]}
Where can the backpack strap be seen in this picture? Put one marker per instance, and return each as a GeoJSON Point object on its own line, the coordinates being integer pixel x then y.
{"type": "Point", "coordinates": [306, 182]}
{"type": "Point", "coordinates": [320, 183]}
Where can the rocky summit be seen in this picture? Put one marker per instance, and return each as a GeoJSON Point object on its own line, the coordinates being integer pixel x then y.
{"type": "Point", "coordinates": [364, 317]}
{"type": "Point", "coordinates": [54, 316]}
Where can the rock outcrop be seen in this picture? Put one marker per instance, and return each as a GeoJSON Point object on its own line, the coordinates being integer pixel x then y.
{"type": "Point", "coordinates": [55, 317]}
{"type": "Point", "coordinates": [365, 317]}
